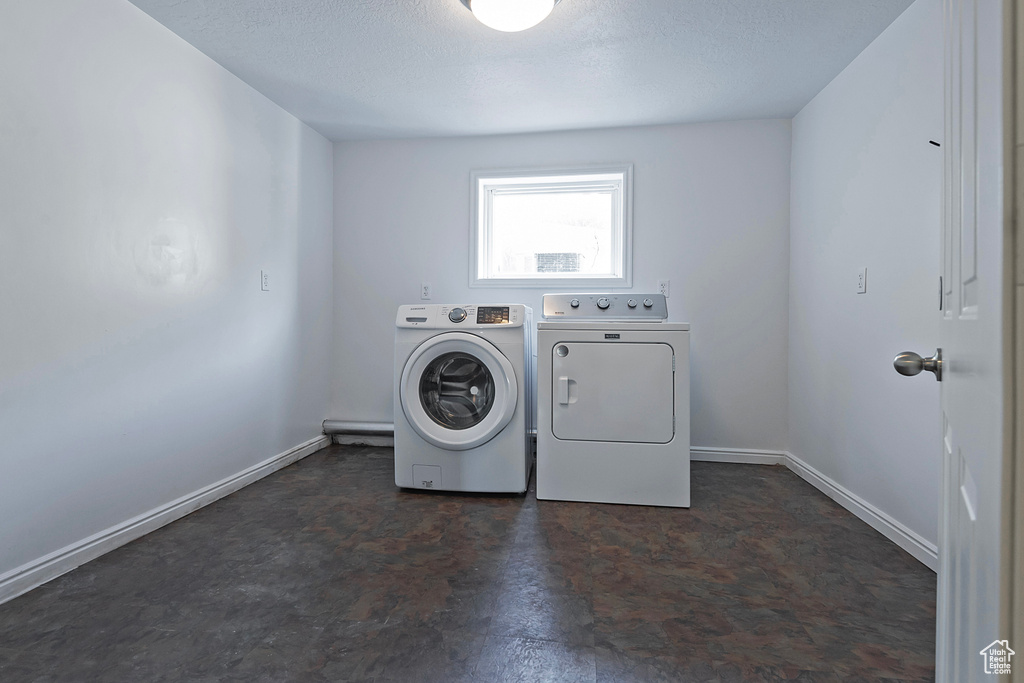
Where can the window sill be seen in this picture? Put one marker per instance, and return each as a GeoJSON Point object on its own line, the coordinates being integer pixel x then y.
{"type": "Point", "coordinates": [601, 283]}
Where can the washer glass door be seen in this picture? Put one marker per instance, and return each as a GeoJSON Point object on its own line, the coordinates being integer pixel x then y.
{"type": "Point", "coordinates": [458, 390]}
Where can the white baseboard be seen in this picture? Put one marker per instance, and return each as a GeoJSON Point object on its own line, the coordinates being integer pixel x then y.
{"type": "Point", "coordinates": [26, 577]}
{"type": "Point", "coordinates": [745, 456]}
{"type": "Point", "coordinates": [37, 572]}
{"type": "Point", "coordinates": [926, 552]}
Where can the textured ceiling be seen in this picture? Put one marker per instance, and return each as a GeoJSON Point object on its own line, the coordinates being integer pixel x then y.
{"type": "Point", "coordinates": [356, 69]}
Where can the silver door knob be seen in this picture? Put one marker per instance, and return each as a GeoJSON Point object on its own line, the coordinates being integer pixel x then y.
{"type": "Point", "coordinates": [909, 363]}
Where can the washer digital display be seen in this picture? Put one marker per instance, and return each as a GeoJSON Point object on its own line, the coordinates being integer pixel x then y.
{"type": "Point", "coordinates": [492, 315]}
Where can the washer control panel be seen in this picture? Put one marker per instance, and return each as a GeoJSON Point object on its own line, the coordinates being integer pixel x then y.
{"type": "Point", "coordinates": [445, 316]}
{"type": "Point", "coordinates": [617, 307]}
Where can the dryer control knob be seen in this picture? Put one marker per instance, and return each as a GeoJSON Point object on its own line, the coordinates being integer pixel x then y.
{"type": "Point", "coordinates": [457, 315]}
{"type": "Point", "coordinates": [648, 303]}
{"type": "Point", "coordinates": [575, 303]}
{"type": "Point", "coordinates": [631, 303]}
{"type": "Point", "coordinates": [603, 303]}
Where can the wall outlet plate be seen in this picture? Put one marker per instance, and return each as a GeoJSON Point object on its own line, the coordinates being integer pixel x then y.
{"type": "Point", "coordinates": [862, 281]}
{"type": "Point", "coordinates": [663, 287]}
{"type": "Point", "coordinates": [264, 281]}
{"type": "Point", "coordinates": [425, 291]}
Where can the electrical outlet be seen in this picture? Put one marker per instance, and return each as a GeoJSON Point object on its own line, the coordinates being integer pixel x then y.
{"type": "Point", "coordinates": [425, 291]}
{"type": "Point", "coordinates": [264, 281]}
{"type": "Point", "coordinates": [663, 287]}
{"type": "Point", "coordinates": [862, 281]}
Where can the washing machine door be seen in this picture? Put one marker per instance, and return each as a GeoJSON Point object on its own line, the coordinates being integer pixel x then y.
{"type": "Point", "coordinates": [458, 391]}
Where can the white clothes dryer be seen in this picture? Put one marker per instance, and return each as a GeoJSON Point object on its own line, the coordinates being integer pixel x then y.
{"type": "Point", "coordinates": [613, 419]}
{"type": "Point", "coordinates": [463, 402]}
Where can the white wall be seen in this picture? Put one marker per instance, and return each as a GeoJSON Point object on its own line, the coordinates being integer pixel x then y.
{"type": "Point", "coordinates": [142, 189]}
{"type": "Point", "coordinates": [866, 192]}
{"type": "Point", "coordinates": [711, 213]}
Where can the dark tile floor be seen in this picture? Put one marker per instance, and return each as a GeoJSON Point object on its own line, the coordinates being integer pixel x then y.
{"type": "Point", "coordinates": [325, 571]}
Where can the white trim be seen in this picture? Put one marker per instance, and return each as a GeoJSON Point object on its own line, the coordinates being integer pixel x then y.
{"type": "Point", "coordinates": [622, 237]}
{"type": "Point", "coordinates": [28, 576]}
{"type": "Point", "coordinates": [742, 456]}
{"type": "Point", "coordinates": [925, 551]}
{"type": "Point", "coordinates": [37, 572]}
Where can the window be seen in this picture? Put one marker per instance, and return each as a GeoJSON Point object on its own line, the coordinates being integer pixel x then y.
{"type": "Point", "coordinates": [552, 228]}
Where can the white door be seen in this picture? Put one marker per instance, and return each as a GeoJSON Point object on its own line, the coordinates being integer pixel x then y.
{"type": "Point", "coordinates": [971, 527]}
{"type": "Point", "coordinates": [458, 391]}
{"type": "Point", "coordinates": [618, 392]}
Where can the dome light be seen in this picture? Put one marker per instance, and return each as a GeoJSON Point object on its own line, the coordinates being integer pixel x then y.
{"type": "Point", "coordinates": [510, 15]}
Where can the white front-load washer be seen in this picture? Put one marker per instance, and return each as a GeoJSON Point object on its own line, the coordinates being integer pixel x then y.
{"type": "Point", "coordinates": [613, 396]}
{"type": "Point", "coordinates": [464, 397]}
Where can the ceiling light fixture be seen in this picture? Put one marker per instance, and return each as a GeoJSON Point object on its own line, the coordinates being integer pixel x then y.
{"type": "Point", "coordinates": [510, 15]}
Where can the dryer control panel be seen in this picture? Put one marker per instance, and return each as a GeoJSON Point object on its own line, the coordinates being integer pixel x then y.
{"type": "Point", "coordinates": [613, 307]}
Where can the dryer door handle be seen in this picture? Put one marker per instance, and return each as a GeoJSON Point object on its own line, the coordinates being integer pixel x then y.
{"type": "Point", "coordinates": [566, 395]}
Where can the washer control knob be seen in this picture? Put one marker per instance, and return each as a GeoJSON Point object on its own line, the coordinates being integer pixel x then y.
{"type": "Point", "coordinates": [603, 303]}
{"type": "Point", "coordinates": [457, 315]}
{"type": "Point", "coordinates": [631, 303]}
{"type": "Point", "coordinates": [575, 303]}
{"type": "Point", "coordinates": [648, 303]}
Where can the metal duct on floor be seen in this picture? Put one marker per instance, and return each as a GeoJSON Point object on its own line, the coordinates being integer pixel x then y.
{"type": "Point", "coordinates": [359, 428]}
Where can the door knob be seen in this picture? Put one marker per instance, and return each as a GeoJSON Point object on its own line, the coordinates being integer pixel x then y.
{"type": "Point", "coordinates": [909, 363]}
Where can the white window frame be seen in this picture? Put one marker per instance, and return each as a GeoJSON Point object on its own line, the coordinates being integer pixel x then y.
{"type": "Point", "coordinates": [483, 185]}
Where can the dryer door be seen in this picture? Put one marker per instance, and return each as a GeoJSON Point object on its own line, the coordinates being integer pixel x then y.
{"type": "Point", "coordinates": [616, 391]}
{"type": "Point", "coordinates": [458, 391]}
